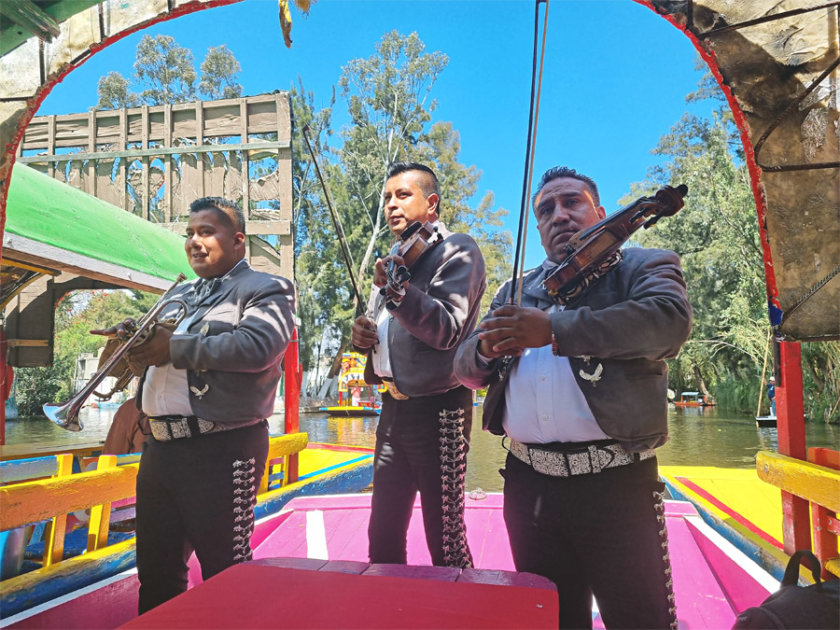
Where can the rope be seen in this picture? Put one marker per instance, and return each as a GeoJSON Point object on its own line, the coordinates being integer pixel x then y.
{"type": "Point", "coordinates": [819, 285]}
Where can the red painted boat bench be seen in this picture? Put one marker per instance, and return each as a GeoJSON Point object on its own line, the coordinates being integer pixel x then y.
{"type": "Point", "coordinates": [307, 593]}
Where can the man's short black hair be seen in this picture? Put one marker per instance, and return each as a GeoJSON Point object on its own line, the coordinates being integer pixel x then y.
{"type": "Point", "coordinates": [395, 168]}
{"type": "Point", "coordinates": [225, 207]}
{"type": "Point", "coordinates": [564, 171]}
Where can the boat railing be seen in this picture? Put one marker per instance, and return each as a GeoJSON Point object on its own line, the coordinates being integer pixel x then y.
{"type": "Point", "coordinates": [25, 504]}
{"type": "Point", "coordinates": [817, 481]}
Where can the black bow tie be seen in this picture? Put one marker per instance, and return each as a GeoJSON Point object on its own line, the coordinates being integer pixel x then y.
{"type": "Point", "coordinates": [203, 288]}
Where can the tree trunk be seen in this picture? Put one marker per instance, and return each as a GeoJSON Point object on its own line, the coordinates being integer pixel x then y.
{"type": "Point", "coordinates": [701, 384]}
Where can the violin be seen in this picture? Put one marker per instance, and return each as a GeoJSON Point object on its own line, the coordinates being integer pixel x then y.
{"type": "Point", "coordinates": [590, 248]}
{"type": "Point", "coordinates": [417, 239]}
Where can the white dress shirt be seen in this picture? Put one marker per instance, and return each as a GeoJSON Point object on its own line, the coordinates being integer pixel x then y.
{"type": "Point", "coordinates": [543, 402]}
{"type": "Point", "coordinates": [166, 390]}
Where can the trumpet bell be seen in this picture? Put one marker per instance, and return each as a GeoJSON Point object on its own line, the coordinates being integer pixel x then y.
{"type": "Point", "coordinates": [60, 415]}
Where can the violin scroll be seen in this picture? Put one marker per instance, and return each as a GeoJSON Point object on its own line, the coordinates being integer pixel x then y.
{"type": "Point", "coordinates": [416, 240]}
{"type": "Point", "coordinates": [597, 246]}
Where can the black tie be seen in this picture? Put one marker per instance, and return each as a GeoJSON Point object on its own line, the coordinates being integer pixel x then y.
{"type": "Point", "coordinates": [204, 287]}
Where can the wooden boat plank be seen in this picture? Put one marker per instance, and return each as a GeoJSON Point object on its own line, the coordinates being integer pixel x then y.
{"type": "Point", "coordinates": [488, 541]}
{"type": "Point", "coordinates": [714, 608]}
{"type": "Point", "coordinates": [693, 565]}
{"type": "Point", "coordinates": [727, 562]}
{"type": "Point", "coordinates": [745, 510]}
{"type": "Point", "coordinates": [256, 595]}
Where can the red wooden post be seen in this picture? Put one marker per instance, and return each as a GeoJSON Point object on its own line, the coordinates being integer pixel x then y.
{"type": "Point", "coordinates": [824, 520]}
{"type": "Point", "coordinates": [796, 527]}
{"type": "Point", "coordinates": [291, 398]}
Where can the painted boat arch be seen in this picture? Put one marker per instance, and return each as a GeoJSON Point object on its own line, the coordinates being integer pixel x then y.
{"type": "Point", "coordinates": [791, 145]}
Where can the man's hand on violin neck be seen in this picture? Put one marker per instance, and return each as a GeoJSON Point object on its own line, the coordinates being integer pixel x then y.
{"type": "Point", "coordinates": [510, 328]}
{"type": "Point", "coordinates": [385, 267]}
{"type": "Point", "coordinates": [363, 333]}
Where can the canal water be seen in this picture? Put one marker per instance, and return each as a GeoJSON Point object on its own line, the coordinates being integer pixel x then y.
{"type": "Point", "coordinates": [699, 437]}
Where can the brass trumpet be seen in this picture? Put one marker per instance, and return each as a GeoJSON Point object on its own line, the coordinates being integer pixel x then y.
{"type": "Point", "coordinates": [67, 415]}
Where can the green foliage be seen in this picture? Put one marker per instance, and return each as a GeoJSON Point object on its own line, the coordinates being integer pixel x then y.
{"type": "Point", "coordinates": [114, 93]}
{"type": "Point", "coordinates": [717, 237]}
{"type": "Point", "coordinates": [219, 72]}
{"type": "Point", "coordinates": [388, 100]}
{"type": "Point", "coordinates": [165, 69]}
{"type": "Point", "coordinates": [165, 73]}
{"type": "Point", "coordinates": [36, 386]}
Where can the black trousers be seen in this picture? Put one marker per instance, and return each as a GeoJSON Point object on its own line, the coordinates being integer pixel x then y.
{"type": "Point", "coordinates": [196, 494]}
{"type": "Point", "coordinates": [421, 444]}
{"type": "Point", "coordinates": [599, 534]}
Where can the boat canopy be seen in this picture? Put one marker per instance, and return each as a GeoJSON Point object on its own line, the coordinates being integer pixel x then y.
{"type": "Point", "coordinates": [52, 227]}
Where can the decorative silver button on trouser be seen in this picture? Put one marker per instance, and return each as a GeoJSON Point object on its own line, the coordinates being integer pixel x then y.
{"type": "Point", "coordinates": [590, 459]}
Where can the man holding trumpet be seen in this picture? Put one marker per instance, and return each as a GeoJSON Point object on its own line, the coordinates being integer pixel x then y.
{"type": "Point", "coordinates": [208, 387]}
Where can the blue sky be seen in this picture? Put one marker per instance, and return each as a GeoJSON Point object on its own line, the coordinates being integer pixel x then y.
{"type": "Point", "coordinates": [615, 80]}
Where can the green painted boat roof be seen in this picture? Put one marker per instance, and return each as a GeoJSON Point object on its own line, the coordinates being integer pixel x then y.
{"type": "Point", "coordinates": [49, 212]}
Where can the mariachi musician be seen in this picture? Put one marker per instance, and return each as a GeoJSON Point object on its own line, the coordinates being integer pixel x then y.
{"type": "Point", "coordinates": [425, 301]}
{"type": "Point", "coordinates": [208, 388]}
{"type": "Point", "coordinates": [578, 386]}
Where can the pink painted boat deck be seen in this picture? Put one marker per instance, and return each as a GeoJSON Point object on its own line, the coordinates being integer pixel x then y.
{"type": "Point", "coordinates": [710, 586]}
{"type": "Point", "coordinates": [712, 579]}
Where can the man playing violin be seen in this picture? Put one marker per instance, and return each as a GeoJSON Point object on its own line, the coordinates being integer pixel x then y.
{"type": "Point", "coordinates": [579, 389]}
{"type": "Point", "coordinates": [208, 387]}
{"type": "Point", "coordinates": [411, 338]}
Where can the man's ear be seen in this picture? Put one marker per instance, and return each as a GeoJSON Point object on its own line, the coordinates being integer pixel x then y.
{"type": "Point", "coordinates": [433, 201]}
{"type": "Point", "coordinates": [239, 238]}
{"type": "Point", "coordinates": [602, 213]}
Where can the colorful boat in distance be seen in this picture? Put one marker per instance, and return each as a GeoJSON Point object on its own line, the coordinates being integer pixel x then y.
{"type": "Point", "coordinates": [355, 396]}
{"type": "Point", "coordinates": [693, 399]}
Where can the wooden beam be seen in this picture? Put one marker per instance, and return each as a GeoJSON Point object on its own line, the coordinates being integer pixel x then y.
{"type": "Point", "coordinates": [29, 16]}
{"type": "Point", "coordinates": [817, 484]}
{"type": "Point", "coordinates": [34, 501]}
{"type": "Point", "coordinates": [155, 152]}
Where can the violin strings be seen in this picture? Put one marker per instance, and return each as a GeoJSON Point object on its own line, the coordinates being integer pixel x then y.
{"type": "Point", "coordinates": [533, 110]}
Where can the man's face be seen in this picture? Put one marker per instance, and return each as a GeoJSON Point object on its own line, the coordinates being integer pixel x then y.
{"type": "Point", "coordinates": [213, 246]}
{"type": "Point", "coordinates": [564, 207]}
{"type": "Point", "coordinates": [405, 201]}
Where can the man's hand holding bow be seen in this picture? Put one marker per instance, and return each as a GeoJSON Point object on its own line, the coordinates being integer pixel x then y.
{"type": "Point", "coordinates": [510, 329]}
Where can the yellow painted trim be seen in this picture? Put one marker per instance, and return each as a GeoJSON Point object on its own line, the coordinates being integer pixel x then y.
{"type": "Point", "coordinates": [816, 484]}
{"type": "Point", "coordinates": [833, 566]}
{"type": "Point", "coordinates": [100, 515]}
{"type": "Point", "coordinates": [29, 267]}
{"type": "Point", "coordinates": [57, 527]}
{"type": "Point", "coordinates": [34, 501]}
{"type": "Point", "coordinates": [282, 446]}
{"type": "Point", "coordinates": [72, 566]}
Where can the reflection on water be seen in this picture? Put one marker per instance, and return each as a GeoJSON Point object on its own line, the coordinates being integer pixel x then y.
{"type": "Point", "coordinates": [699, 437]}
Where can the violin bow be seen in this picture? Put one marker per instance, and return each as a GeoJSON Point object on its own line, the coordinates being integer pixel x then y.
{"type": "Point", "coordinates": [339, 229]}
{"type": "Point", "coordinates": [530, 147]}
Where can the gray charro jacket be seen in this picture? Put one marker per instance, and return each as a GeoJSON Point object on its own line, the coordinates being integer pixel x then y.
{"type": "Point", "coordinates": [440, 308]}
{"type": "Point", "coordinates": [616, 336]}
{"type": "Point", "coordinates": [234, 346]}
